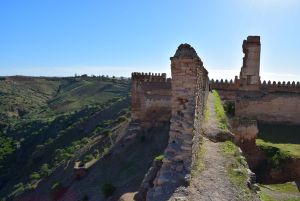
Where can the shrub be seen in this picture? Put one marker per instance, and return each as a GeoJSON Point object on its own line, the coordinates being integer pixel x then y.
{"type": "Point", "coordinates": [18, 189]}
{"type": "Point", "coordinates": [121, 119]}
{"type": "Point", "coordinates": [107, 122]}
{"type": "Point", "coordinates": [45, 170]}
{"type": "Point", "coordinates": [35, 176]}
{"type": "Point", "coordinates": [229, 108]}
{"type": "Point", "coordinates": [159, 157]}
{"type": "Point", "coordinates": [88, 158]}
{"type": "Point", "coordinates": [275, 156]}
{"type": "Point", "coordinates": [107, 132]}
{"type": "Point", "coordinates": [108, 189]}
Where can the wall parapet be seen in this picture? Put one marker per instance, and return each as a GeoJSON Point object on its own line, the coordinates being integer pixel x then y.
{"type": "Point", "coordinates": [280, 86]}
{"type": "Point", "coordinates": [264, 86]}
{"type": "Point", "coordinates": [150, 77]}
{"type": "Point", "coordinates": [224, 84]}
{"type": "Point", "coordinates": [189, 92]}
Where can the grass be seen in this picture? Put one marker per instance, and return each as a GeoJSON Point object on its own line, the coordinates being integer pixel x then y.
{"type": "Point", "coordinates": [206, 113]}
{"type": "Point", "coordinates": [278, 154]}
{"type": "Point", "coordinates": [199, 165]}
{"type": "Point", "coordinates": [287, 191]}
{"type": "Point", "coordinates": [265, 197]}
{"type": "Point", "coordinates": [159, 157]}
{"type": "Point", "coordinates": [285, 188]}
{"type": "Point", "coordinates": [236, 169]}
{"type": "Point", "coordinates": [220, 112]}
{"type": "Point", "coordinates": [292, 150]}
{"type": "Point", "coordinates": [279, 141]}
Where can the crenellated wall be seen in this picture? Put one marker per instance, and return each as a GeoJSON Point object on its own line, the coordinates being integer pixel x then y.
{"type": "Point", "coordinates": [293, 87]}
{"type": "Point", "coordinates": [150, 99]}
{"type": "Point", "coordinates": [189, 93]}
{"type": "Point", "coordinates": [266, 101]}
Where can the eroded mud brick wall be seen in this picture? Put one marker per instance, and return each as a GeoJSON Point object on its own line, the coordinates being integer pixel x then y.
{"type": "Point", "coordinates": [249, 74]}
{"type": "Point", "coordinates": [189, 92]}
{"type": "Point", "coordinates": [150, 99]}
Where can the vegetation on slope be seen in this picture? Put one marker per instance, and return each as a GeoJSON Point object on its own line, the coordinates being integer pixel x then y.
{"type": "Point", "coordinates": [277, 154]}
{"type": "Point", "coordinates": [283, 192]}
{"type": "Point", "coordinates": [279, 141]}
{"type": "Point", "coordinates": [237, 169]}
{"type": "Point", "coordinates": [45, 121]}
{"type": "Point", "coordinates": [220, 112]}
{"type": "Point", "coordinates": [198, 165]}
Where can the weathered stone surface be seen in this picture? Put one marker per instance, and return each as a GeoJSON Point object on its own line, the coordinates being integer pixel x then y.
{"type": "Point", "coordinates": [150, 99]}
{"type": "Point", "coordinates": [272, 102]}
{"type": "Point", "coordinates": [250, 70]}
{"type": "Point", "coordinates": [189, 92]}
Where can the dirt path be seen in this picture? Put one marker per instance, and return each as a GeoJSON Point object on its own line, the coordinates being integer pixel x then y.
{"type": "Point", "coordinates": [212, 184]}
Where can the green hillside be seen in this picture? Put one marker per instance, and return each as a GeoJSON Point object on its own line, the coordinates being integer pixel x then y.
{"type": "Point", "coordinates": [44, 121]}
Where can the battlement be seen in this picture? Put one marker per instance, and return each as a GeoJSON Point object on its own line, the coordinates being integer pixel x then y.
{"type": "Point", "coordinates": [224, 85]}
{"type": "Point", "coordinates": [149, 77]}
{"type": "Point", "coordinates": [264, 86]}
{"type": "Point", "coordinates": [280, 86]}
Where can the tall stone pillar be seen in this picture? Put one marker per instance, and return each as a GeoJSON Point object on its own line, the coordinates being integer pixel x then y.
{"type": "Point", "coordinates": [249, 74]}
{"type": "Point", "coordinates": [189, 79]}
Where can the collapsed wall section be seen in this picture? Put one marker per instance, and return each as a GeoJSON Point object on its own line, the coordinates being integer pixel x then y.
{"type": "Point", "coordinates": [189, 92]}
{"type": "Point", "coordinates": [249, 74]}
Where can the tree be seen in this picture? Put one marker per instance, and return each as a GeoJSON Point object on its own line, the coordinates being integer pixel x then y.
{"type": "Point", "coordinates": [45, 170]}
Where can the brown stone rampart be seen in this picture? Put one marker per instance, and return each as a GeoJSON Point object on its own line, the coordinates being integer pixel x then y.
{"type": "Point", "coordinates": [149, 77]}
{"type": "Point", "coordinates": [224, 85]}
{"type": "Point", "coordinates": [189, 93]}
{"type": "Point", "coordinates": [269, 86]}
{"type": "Point", "coordinates": [150, 99]}
{"type": "Point", "coordinates": [272, 107]}
{"type": "Point", "coordinates": [280, 86]}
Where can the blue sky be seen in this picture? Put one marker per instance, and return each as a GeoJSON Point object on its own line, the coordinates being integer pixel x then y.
{"type": "Point", "coordinates": [64, 37]}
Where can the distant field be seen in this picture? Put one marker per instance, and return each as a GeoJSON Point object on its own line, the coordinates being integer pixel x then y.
{"type": "Point", "coordinates": [42, 98]}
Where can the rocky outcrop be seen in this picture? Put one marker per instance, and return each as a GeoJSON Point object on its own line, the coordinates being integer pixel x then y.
{"type": "Point", "coordinates": [189, 92]}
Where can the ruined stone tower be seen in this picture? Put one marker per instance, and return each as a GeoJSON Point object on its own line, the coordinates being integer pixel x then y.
{"type": "Point", "coordinates": [189, 90]}
{"type": "Point", "coordinates": [249, 74]}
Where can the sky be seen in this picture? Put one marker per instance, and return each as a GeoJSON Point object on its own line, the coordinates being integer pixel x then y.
{"type": "Point", "coordinates": [114, 37]}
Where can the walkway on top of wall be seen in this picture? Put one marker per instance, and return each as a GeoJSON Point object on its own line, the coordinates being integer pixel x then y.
{"type": "Point", "coordinates": [212, 182]}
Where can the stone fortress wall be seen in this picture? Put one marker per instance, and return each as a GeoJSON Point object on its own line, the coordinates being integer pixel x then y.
{"type": "Point", "coordinates": [156, 99]}
{"type": "Point", "coordinates": [264, 101]}
{"type": "Point", "coordinates": [181, 101]}
{"type": "Point", "coordinates": [189, 93]}
{"type": "Point", "coordinates": [151, 99]}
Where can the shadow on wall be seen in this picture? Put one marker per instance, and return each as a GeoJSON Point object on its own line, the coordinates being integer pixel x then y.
{"type": "Point", "coordinates": [279, 133]}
